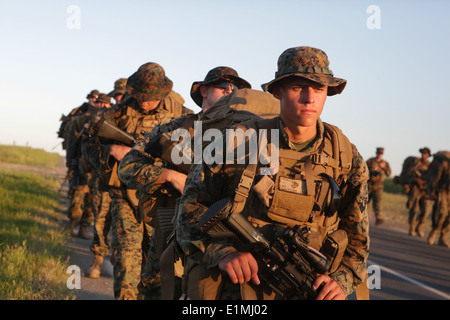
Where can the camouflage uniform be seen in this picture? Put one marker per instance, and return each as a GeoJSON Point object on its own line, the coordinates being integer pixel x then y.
{"type": "Point", "coordinates": [438, 184]}
{"type": "Point", "coordinates": [140, 170]}
{"type": "Point", "coordinates": [207, 184]}
{"type": "Point", "coordinates": [413, 179]}
{"type": "Point", "coordinates": [120, 87]}
{"type": "Point", "coordinates": [80, 196]}
{"type": "Point", "coordinates": [149, 83]}
{"type": "Point", "coordinates": [379, 170]}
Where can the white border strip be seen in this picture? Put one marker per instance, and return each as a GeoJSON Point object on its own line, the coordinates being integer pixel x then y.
{"type": "Point", "coordinates": [408, 279]}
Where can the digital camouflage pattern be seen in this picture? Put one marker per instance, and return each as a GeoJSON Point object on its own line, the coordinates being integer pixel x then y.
{"type": "Point", "coordinates": [309, 63]}
{"type": "Point", "coordinates": [214, 76]}
{"type": "Point", "coordinates": [149, 83]}
{"type": "Point", "coordinates": [207, 184]}
{"type": "Point", "coordinates": [127, 225]}
{"type": "Point", "coordinates": [140, 170]}
{"type": "Point", "coordinates": [120, 87]}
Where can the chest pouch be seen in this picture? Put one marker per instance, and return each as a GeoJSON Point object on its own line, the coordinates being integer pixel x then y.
{"type": "Point", "coordinates": [294, 190]}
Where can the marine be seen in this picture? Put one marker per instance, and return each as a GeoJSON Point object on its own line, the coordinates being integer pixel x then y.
{"type": "Point", "coordinates": [309, 150]}
{"type": "Point", "coordinates": [413, 179]}
{"type": "Point", "coordinates": [80, 196]}
{"type": "Point", "coordinates": [150, 100]}
{"type": "Point", "coordinates": [379, 169]}
{"type": "Point", "coordinates": [438, 187]}
{"type": "Point", "coordinates": [160, 183]}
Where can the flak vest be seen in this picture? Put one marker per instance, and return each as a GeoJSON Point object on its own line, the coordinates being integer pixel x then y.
{"type": "Point", "coordinates": [303, 192]}
{"type": "Point", "coordinates": [137, 123]}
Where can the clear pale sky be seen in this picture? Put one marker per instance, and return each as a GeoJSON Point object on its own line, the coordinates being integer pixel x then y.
{"type": "Point", "coordinates": [395, 59]}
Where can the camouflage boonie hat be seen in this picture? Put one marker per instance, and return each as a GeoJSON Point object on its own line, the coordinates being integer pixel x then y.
{"type": "Point", "coordinates": [149, 83]}
{"type": "Point", "coordinates": [309, 63]}
{"type": "Point", "coordinates": [93, 93]}
{"type": "Point", "coordinates": [120, 86]}
{"type": "Point", "coordinates": [216, 75]}
{"type": "Point", "coordinates": [104, 98]}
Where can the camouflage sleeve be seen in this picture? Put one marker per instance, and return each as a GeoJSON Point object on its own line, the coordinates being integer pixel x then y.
{"type": "Point", "coordinates": [387, 169]}
{"type": "Point", "coordinates": [202, 189]}
{"type": "Point", "coordinates": [139, 170]}
{"type": "Point", "coordinates": [355, 221]}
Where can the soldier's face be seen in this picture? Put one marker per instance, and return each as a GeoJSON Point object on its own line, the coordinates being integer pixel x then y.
{"type": "Point", "coordinates": [149, 105]}
{"type": "Point", "coordinates": [211, 94]}
{"type": "Point", "coordinates": [301, 101]}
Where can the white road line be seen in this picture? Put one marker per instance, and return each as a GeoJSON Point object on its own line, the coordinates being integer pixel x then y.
{"type": "Point", "coordinates": [417, 283]}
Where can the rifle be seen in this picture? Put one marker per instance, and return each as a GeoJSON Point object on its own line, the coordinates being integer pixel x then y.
{"type": "Point", "coordinates": [288, 265]}
{"type": "Point", "coordinates": [161, 146]}
{"type": "Point", "coordinates": [103, 128]}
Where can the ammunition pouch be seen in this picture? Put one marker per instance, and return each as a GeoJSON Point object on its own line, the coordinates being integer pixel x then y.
{"type": "Point", "coordinates": [334, 247]}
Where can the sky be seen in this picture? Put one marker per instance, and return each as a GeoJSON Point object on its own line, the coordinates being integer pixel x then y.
{"type": "Point", "coordinates": [394, 55]}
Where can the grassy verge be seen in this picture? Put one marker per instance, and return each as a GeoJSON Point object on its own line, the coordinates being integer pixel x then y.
{"type": "Point", "coordinates": [28, 156]}
{"type": "Point", "coordinates": [32, 245]}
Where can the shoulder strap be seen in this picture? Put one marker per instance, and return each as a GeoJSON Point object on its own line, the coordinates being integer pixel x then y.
{"type": "Point", "coordinates": [342, 154]}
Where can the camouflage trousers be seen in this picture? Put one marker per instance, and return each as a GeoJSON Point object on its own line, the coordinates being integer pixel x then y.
{"type": "Point", "coordinates": [376, 196]}
{"type": "Point", "coordinates": [419, 207]}
{"type": "Point", "coordinates": [102, 223]}
{"type": "Point", "coordinates": [150, 283]}
{"type": "Point", "coordinates": [128, 238]}
{"type": "Point", "coordinates": [80, 208]}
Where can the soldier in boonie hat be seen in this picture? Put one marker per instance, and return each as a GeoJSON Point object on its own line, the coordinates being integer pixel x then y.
{"type": "Point", "coordinates": [309, 63]}
{"type": "Point", "coordinates": [103, 100]}
{"type": "Point", "coordinates": [425, 150]}
{"type": "Point", "coordinates": [219, 76]}
{"type": "Point", "coordinates": [120, 87]}
{"type": "Point", "coordinates": [93, 94]}
{"type": "Point", "coordinates": [149, 83]}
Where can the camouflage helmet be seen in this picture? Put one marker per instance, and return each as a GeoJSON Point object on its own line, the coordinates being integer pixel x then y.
{"type": "Point", "coordinates": [119, 87]}
{"type": "Point", "coordinates": [309, 63]}
{"type": "Point", "coordinates": [216, 75]}
{"type": "Point", "coordinates": [104, 98]}
{"type": "Point", "coordinates": [93, 93]}
{"type": "Point", "coordinates": [149, 83]}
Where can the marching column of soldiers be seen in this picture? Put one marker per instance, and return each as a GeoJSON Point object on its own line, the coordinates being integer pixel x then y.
{"type": "Point", "coordinates": [186, 228]}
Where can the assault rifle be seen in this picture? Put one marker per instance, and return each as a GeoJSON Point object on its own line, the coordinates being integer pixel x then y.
{"type": "Point", "coordinates": [103, 128]}
{"type": "Point", "coordinates": [161, 146]}
{"type": "Point", "coordinates": [288, 265]}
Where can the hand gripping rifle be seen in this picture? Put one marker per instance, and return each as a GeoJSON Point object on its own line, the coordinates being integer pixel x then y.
{"type": "Point", "coordinates": [288, 265]}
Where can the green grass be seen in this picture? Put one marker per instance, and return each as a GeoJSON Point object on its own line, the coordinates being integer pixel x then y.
{"type": "Point", "coordinates": [32, 244]}
{"type": "Point", "coordinates": [28, 156]}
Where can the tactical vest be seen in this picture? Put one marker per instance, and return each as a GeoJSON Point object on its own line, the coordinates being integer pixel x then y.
{"type": "Point", "coordinates": [306, 189]}
{"type": "Point", "coordinates": [135, 122]}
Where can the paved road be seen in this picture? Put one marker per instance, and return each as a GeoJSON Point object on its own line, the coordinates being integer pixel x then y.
{"type": "Point", "coordinates": [409, 268]}
{"type": "Point", "coordinates": [91, 289]}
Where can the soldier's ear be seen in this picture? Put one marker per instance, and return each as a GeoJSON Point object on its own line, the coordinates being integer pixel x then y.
{"type": "Point", "coordinates": [203, 91]}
